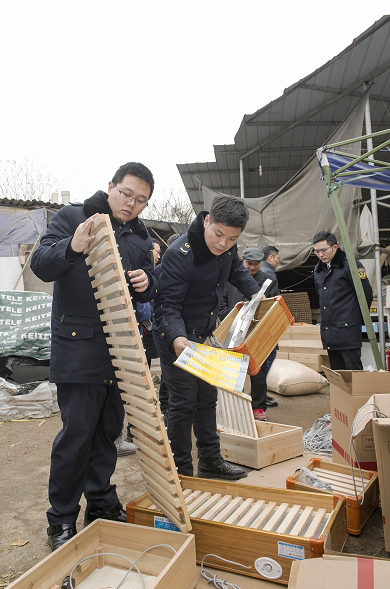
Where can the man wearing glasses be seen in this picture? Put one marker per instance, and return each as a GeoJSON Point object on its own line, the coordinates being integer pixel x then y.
{"type": "Point", "coordinates": [84, 453]}
{"type": "Point", "coordinates": [341, 319]}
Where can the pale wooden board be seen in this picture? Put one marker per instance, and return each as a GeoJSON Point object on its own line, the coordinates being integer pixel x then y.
{"type": "Point", "coordinates": [134, 378]}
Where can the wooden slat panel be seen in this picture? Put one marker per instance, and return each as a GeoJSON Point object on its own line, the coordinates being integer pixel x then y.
{"type": "Point", "coordinates": [105, 278]}
{"type": "Point", "coordinates": [133, 389]}
{"type": "Point", "coordinates": [302, 521]}
{"type": "Point", "coordinates": [206, 506]}
{"type": "Point", "coordinates": [134, 378]}
{"type": "Point", "coordinates": [263, 515]}
{"type": "Point", "coordinates": [253, 511]}
{"type": "Point", "coordinates": [228, 510]}
{"type": "Point", "coordinates": [276, 518]}
{"type": "Point", "coordinates": [241, 509]}
{"type": "Point", "coordinates": [211, 513]}
{"type": "Point", "coordinates": [286, 523]}
{"type": "Point", "coordinates": [198, 501]}
{"type": "Point", "coordinates": [315, 524]}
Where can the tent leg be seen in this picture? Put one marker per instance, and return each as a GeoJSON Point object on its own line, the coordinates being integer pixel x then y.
{"type": "Point", "coordinates": [356, 279]}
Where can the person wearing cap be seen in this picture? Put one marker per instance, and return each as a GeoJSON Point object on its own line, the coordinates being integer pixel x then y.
{"type": "Point", "coordinates": [251, 259]}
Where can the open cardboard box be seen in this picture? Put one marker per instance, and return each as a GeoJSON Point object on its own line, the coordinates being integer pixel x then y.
{"type": "Point", "coordinates": [349, 390]}
{"type": "Point", "coordinates": [375, 413]}
{"type": "Point", "coordinates": [339, 572]}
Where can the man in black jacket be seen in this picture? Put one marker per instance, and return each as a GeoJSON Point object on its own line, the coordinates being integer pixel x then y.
{"type": "Point", "coordinates": [194, 272]}
{"type": "Point", "coordinates": [84, 453]}
{"type": "Point", "coordinates": [251, 258]}
{"type": "Point", "coordinates": [341, 319]}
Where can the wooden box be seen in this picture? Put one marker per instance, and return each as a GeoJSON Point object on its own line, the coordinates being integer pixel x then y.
{"type": "Point", "coordinates": [276, 442]}
{"type": "Point", "coordinates": [271, 320]}
{"type": "Point", "coordinates": [102, 536]}
{"type": "Point", "coordinates": [261, 528]}
{"type": "Point", "coordinates": [360, 507]}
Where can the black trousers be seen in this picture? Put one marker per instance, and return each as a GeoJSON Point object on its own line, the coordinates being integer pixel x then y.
{"type": "Point", "coordinates": [84, 454]}
{"type": "Point", "coordinates": [192, 404]}
{"type": "Point", "coordinates": [345, 359]}
{"type": "Point", "coordinates": [259, 388]}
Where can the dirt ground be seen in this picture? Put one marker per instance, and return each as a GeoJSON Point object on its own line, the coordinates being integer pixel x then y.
{"type": "Point", "coordinates": [25, 458]}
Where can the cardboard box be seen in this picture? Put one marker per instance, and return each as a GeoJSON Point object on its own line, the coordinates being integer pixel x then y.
{"type": "Point", "coordinates": [296, 346]}
{"type": "Point", "coordinates": [314, 361]}
{"type": "Point", "coordinates": [102, 536]}
{"type": "Point", "coordinates": [276, 442]}
{"type": "Point", "coordinates": [376, 410]}
{"type": "Point", "coordinates": [282, 355]}
{"type": "Point", "coordinates": [364, 483]}
{"type": "Point", "coordinates": [340, 572]}
{"type": "Point", "coordinates": [303, 331]}
{"type": "Point", "coordinates": [243, 523]}
{"type": "Point", "coordinates": [350, 390]}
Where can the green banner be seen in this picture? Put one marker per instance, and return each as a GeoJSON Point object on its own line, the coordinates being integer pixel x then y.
{"type": "Point", "coordinates": [25, 324]}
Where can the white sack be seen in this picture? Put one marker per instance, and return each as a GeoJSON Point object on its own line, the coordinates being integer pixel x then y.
{"type": "Point", "coordinates": [290, 378]}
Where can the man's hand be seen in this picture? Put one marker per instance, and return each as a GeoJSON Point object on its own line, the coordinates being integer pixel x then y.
{"type": "Point", "coordinates": [82, 239]}
{"type": "Point", "coordinates": [179, 344]}
{"type": "Point", "coordinates": [139, 280]}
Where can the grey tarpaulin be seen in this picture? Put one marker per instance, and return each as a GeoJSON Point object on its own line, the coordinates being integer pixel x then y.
{"type": "Point", "coordinates": [291, 216]}
{"type": "Point", "coordinates": [25, 324]}
{"type": "Point", "coordinates": [17, 226]}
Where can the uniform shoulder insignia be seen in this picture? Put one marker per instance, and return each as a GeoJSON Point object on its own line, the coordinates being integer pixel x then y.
{"type": "Point", "coordinates": [362, 273]}
{"type": "Point", "coordinates": [185, 248]}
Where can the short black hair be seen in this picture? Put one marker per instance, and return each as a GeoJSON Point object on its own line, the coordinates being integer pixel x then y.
{"type": "Point", "coordinates": [172, 238]}
{"type": "Point", "coordinates": [154, 240]}
{"type": "Point", "coordinates": [134, 169]}
{"type": "Point", "coordinates": [270, 250]}
{"type": "Point", "coordinates": [327, 236]}
{"type": "Point", "coordinates": [229, 210]}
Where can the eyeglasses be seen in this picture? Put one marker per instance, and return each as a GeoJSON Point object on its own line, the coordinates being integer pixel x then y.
{"type": "Point", "coordinates": [138, 201]}
{"type": "Point", "coordinates": [322, 251]}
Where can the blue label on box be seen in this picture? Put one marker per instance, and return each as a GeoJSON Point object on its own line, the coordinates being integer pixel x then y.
{"type": "Point", "coordinates": [293, 551]}
{"type": "Point", "coordinates": [164, 524]}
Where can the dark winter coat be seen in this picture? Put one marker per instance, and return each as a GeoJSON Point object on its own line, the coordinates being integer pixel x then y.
{"type": "Point", "coordinates": [79, 352]}
{"type": "Point", "coordinates": [341, 319]}
{"type": "Point", "coordinates": [269, 270]}
{"type": "Point", "coordinates": [192, 283]}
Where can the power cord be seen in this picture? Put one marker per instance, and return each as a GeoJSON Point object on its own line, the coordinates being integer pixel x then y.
{"type": "Point", "coordinates": [212, 578]}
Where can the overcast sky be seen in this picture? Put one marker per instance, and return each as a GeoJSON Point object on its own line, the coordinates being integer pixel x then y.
{"type": "Point", "coordinates": [88, 85]}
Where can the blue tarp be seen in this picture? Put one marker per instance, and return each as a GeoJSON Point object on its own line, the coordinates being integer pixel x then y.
{"type": "Point", "coordinates": [377, 180]}
{"type": "Point", "coordinates": [19, 226]}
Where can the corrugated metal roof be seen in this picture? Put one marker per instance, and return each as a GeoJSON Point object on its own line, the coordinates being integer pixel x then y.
{"type": "Point", "coordinates": [283, 135]}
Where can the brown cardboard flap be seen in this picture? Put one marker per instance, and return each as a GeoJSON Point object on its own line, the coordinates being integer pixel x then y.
{"type": "Point", "coordinates": [336, 379]}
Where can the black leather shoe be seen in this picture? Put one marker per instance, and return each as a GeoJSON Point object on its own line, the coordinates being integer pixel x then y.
{"type": "Point", "coordinates": [271, 403]}
{"type": "Point", "coordinates": [60, 534]}
{"type": "Point", "coordinates": [218, 468]}
{"type": "Point", "coordinates": [114, 513]}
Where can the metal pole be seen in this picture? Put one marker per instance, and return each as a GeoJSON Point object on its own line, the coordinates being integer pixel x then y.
{"type": "Point", "coordinates": [377, 253]}
{"type": "Point", "coordinates": [242, 185]}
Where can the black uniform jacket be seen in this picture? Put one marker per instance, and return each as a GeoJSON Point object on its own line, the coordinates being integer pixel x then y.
{"type": "Point", "coordinates": [269, 270]}
{"type": "Point", "coordinates": [79, 352]}
{"type": "Point", "coordinates": [192, 283]}
{"type": "Point", "coordinates": [232, 295]}
{"type": "Point", "coordinates": [341, 319]}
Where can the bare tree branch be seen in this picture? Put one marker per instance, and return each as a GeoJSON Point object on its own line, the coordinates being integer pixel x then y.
{"type": "Point", "coordinates": [25, 180]}
{"type": "Point", "coordinates": [174, 208]}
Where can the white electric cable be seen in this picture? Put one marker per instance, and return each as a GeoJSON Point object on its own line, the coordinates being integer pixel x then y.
{"type": "Point", "coordinates": [318, 438]}
{"type": "Point", "coordinates": [212, 578]}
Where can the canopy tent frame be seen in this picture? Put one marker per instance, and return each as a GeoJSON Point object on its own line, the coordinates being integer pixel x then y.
{"type": "Point", "coordinates": [330, 179]}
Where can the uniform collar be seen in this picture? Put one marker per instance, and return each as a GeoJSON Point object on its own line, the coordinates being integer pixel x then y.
{"type": "Point", "coordinates": [337, 261]}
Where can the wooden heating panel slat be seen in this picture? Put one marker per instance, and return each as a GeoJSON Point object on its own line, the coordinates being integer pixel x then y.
{"type": "Point", "coordinates": [134, 378]}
